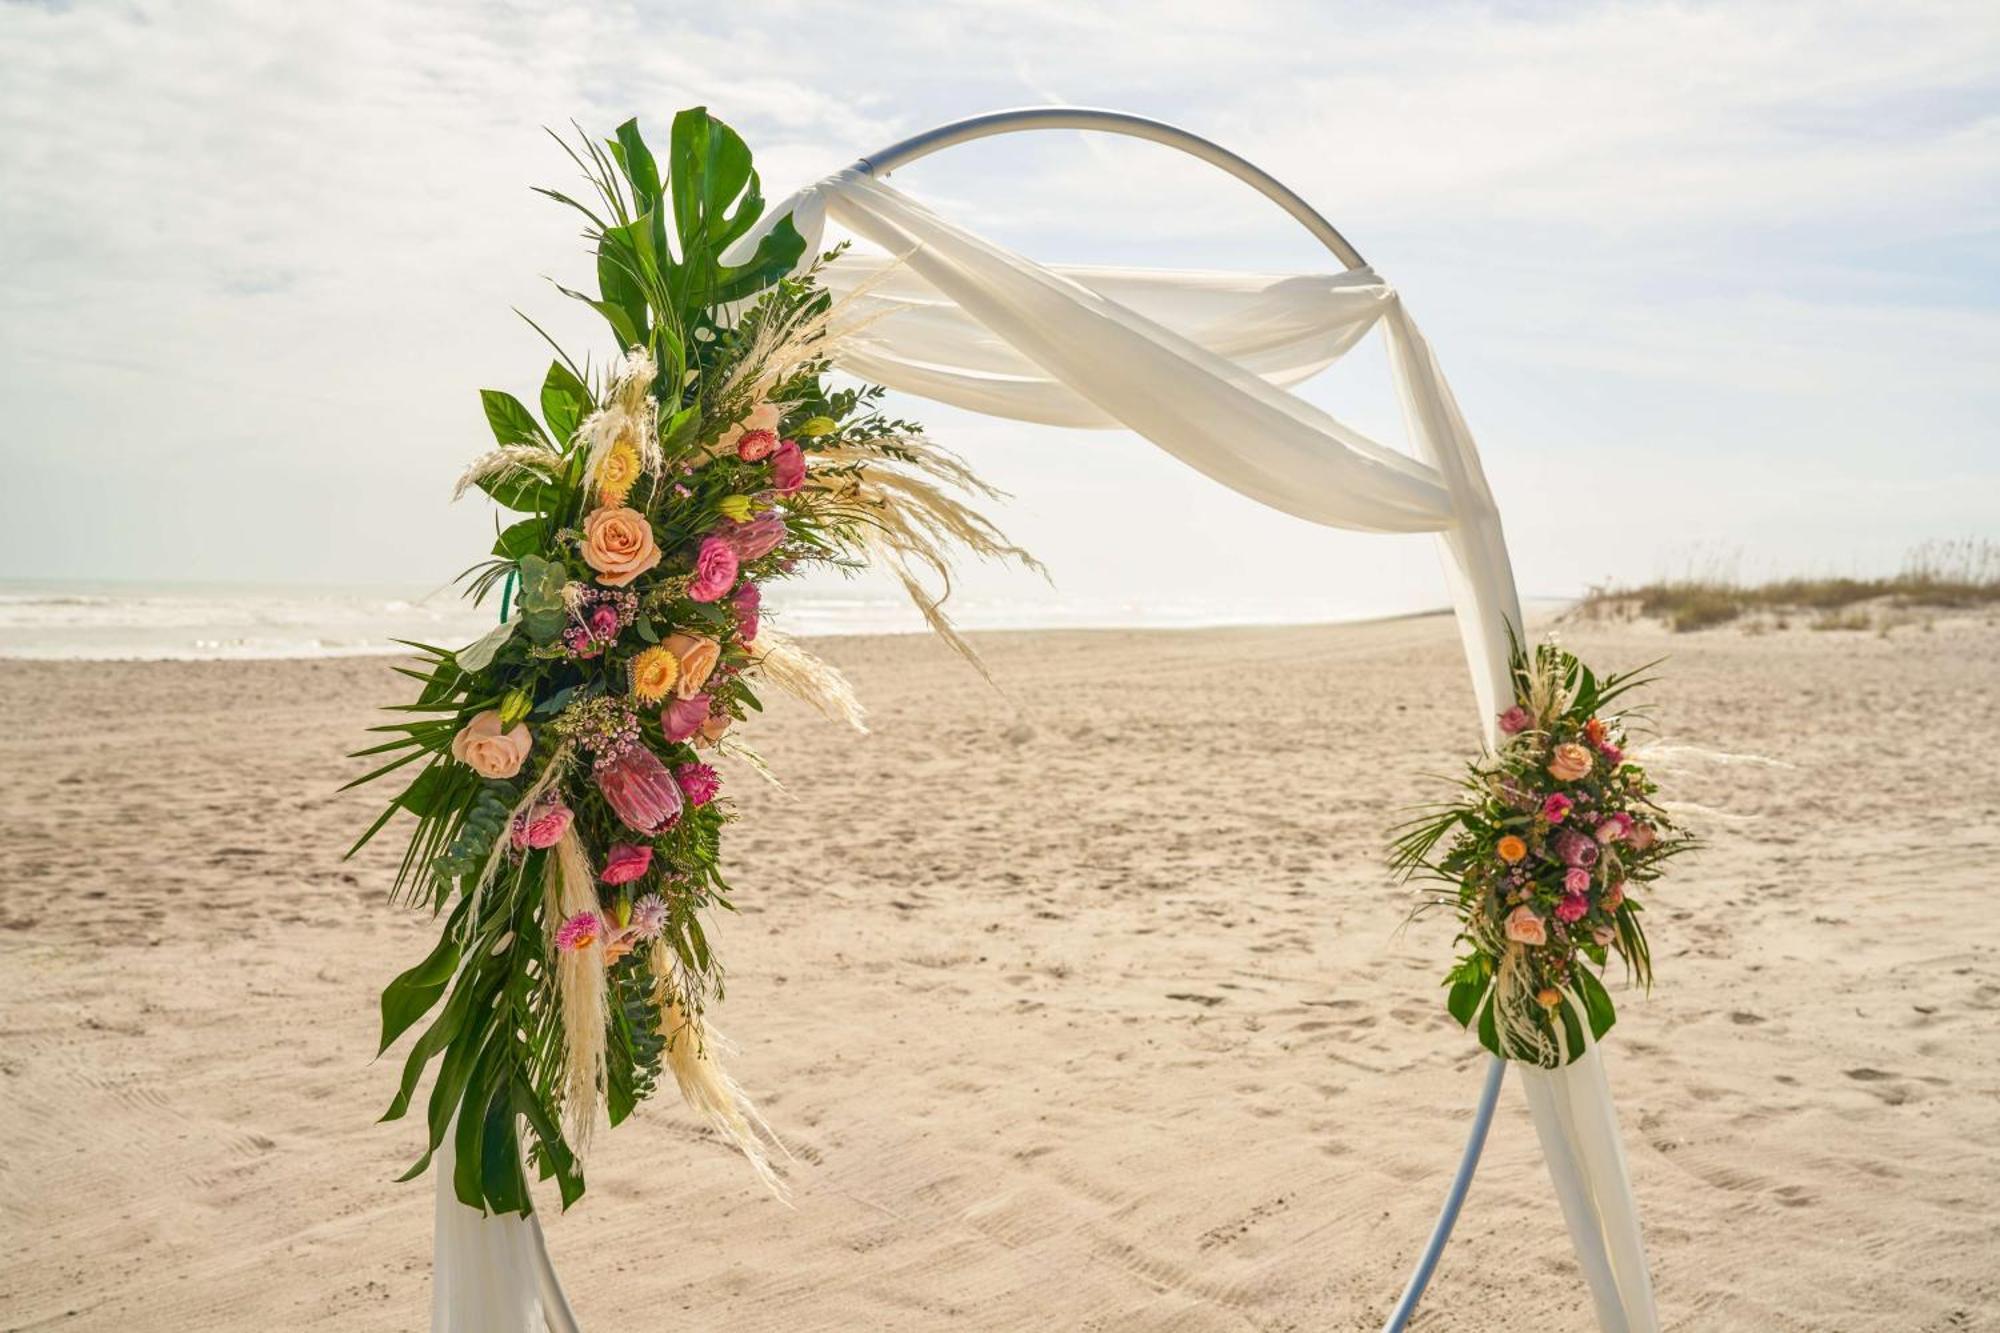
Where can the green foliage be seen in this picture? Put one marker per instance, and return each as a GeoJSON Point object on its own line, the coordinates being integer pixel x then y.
{"type": "Point", "coordinates": [1568, 849]}
{"type": "Point", "coordinates": [672, 243]}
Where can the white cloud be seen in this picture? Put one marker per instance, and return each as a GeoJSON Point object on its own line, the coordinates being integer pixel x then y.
{"type": "Point", "coordinates": [248, 247]}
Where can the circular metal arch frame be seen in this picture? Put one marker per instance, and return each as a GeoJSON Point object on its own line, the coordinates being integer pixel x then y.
{"type": "Point", "coordinates": [1172, 136]}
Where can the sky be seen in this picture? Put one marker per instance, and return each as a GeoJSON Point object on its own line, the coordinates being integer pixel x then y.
{"type": "Point", "coordinates": [1718, 286]}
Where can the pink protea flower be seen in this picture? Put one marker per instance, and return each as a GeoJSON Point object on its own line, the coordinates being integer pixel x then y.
{"type": "Point", "coordinates": [1557, 808]}
{"type": "Point", "coordinates": [1576, 879]}
{"type": "Point", "coordinates": [1576, 849]}
{"type": "Point", "coordinates": [627, 862]}
{"type": "Point", "coordinates": [1515, 720]}
{"type": "Point", "coordinates": [698, 783]}
{"type": "Point", "coordinates": [682, 718]}
{"type": "Point", "coordinates": [649, 917]}
{"type": "Point", "coordinates": [1614, 827]}
{"type": "Point", "coordinates": [541, 825]}
{"type": "Point", "coordinates": [1572, 907]}
{"type": "Point", "coordinates": [788, 468]}
{"type": "Point", "coordinates": [756, 538]}
{"type": "Point", "coordinates": [639, 789]}
{"type": "Point", "coordinates": [715, 566]}
{"type": "Point", "coordinates": [579, 932]}
{"type": "Point", "coordinates": [746, 602]}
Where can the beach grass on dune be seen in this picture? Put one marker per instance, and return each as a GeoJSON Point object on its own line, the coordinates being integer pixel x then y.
{"type": "Point", "coordinates": [1940, 575]}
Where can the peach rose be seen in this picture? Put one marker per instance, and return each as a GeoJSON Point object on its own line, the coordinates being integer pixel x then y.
{"type": "Point", "coordinates": [1524, 927]}
{"type": "Point", "coordinates": [618, 544]}
{"type": "Point", "coordinates": [697, 656]}
{"type": "Point", "coordinates": [490, 748]}
{"type": "Point", "coordinates": [1569, 763]}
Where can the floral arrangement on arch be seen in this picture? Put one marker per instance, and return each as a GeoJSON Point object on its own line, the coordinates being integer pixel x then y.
{"type": "Point", "coordinates": [1544, 856]}
{"type": "Point", "coordinates": [568, 810]}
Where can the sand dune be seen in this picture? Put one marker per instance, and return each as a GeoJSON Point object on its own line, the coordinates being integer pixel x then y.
{"type": "Point", "coordinates": [1084, 1009]}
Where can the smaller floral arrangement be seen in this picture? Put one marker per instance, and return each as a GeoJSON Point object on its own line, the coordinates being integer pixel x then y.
{"type": "Point", "coordinates": [1544, 855]}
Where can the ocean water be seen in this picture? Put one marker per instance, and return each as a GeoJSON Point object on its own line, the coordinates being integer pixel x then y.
{"type": "Point", "coordinates": [192, 621]}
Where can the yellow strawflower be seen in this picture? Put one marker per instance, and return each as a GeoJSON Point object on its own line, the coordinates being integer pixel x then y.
{"type": "Point", "coordinates": [617, 474]}
{"type": "Point", "coordinates": [654, 673]}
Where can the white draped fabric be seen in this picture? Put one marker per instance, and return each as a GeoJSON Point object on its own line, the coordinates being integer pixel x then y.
{"type": "Point", "coordinates": [1200, 364]}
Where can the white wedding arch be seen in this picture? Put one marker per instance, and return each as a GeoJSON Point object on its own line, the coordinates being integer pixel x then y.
{"type": "Point", "coordinates": [1200, 364]}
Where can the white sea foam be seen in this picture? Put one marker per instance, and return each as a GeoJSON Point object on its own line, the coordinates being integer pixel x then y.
{"type": "Point", "coordinates": [213, 621]}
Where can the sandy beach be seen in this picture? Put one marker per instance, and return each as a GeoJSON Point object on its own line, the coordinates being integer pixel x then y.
{"type": "Point", "coordinates": [1085, 1007]}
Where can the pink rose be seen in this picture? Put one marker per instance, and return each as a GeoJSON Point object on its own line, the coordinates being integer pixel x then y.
{"type": "Point", "coordinates": [1615, 827]}
{"type": "Point", "coordinates": [1524, 927]}
{"type": "Point", "coordinates": [698, 783]}
{"type": "Point", "coordinates": [753, 446]}
{"type": "Point", "coordinates": [755, 538]}
{"type": "Point", "coordinates": [682, 718]}
{"type": "Point", "coordinates": [542, 825]}
{"type": "Point", "coordinates": [491, 750]}
{"type": "Point", "coordinates": [1557, 808]}
{"type": "Point", "coordinates": [712, 729]}
{"type": "Point", "coordinates": [638, 788]}
{"type": "Point", "coordinates": [1572, 907]}
{"type": "Point", "coordinates": [714, 570]}
{"type": "Point", "coordinates": [1515, 720]}
{"type": "Point", "coordinates": [788, 467]}
{"type": "Point", "coordinates": [627, 862]}
{"type": "Point", "coordinates": [1576, 879]}
{"type": "Point", "coordinates": [746, 603]}
{"type": "Point", "coordinates": [1642, 836]}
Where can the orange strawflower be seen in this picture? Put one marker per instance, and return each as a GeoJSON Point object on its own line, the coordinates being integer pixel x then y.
{"type": "Point", "coordinates": [1511, 849]}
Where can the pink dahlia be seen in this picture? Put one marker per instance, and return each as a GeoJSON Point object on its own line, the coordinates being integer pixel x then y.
{"type": "Point", "coordinates": [754, 445]}
{"type": "Point", "coordinates": [639, 789]}
{"type": "Point", "coordinates": [698, 783]}
{"type": "Point", "coordinates": [579, 932]}
{"type": "Point", "coordinates": [627, 862]}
